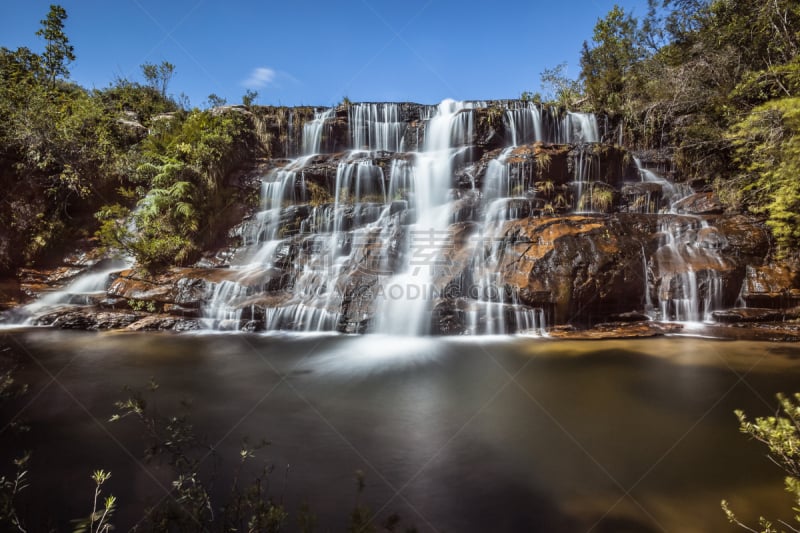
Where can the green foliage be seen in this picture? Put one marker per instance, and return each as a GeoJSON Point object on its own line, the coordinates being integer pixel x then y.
{"type": "Point", "coordinates": [528, 96]}
{"type": "Point", "coordinates": [184, 161]}
{"type": "Point", "coordinates": [99, 521]}
{"type": "Point", "coordinates": [781, 435]}
{"type": "Point", "coordinates": [58, 52]}
{"type": "Point", "coordinates": [158, 76]}
{"type": "Point", "coordinates": [216, 101]}
{"type": "Point", "coordinates": [492, 116]}
{"type": "Point", "coordinates": [249, 97]}
{"type": "Point", "coordinates": [65, 152]}
{"type": "Point", "coordinates": [718, 81]}
{"type": "Point", "coordinates": [62, 154]}
{"type": "Point", "coordinates": [10, 488]}
{"type": "Point", "coordinates": [606, 65]}
{"type": "Point", "coordinates": [559, 89]}
{"type": "Point", "coordinates": [143, 101]}
{"type": "Point", "coordinates": [170, 440]}
{"type": "Point", "coordinates": [143, 305]}
{"type": "Point", "coordinates": [766, 146]}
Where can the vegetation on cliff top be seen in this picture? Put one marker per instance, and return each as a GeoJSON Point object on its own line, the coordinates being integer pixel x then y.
{"type": "Point", "coordinates": [74, 160]}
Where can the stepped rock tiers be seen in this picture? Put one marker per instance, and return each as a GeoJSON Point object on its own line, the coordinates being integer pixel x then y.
{"type": "Point", "coordinates": [460, 218]}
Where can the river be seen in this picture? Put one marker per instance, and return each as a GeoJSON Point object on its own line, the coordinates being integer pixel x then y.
{"type": "Point", "coordinates": [453, 434]}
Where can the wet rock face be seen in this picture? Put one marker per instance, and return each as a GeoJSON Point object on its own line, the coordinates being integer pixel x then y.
{"type": "Point", "coordinates": [587, 267]}
{"type": "Point", "coordinates": [592, 267]}
{"type": "Point", "coordinates": [775, 285]}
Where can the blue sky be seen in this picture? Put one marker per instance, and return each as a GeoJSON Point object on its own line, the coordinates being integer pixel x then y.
{"type": "Point", "coordinates": [296, 52]}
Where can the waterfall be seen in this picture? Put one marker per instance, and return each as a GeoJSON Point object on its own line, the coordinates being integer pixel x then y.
{"type": "Point", "coordinates": [575, 128]}
{"type": "Point", "coordinates": [406, 296]}
{"type": "Point", "coordinates": [688, 284]}
{"type": "Point", "coordinates": [495, 309]}
{"type": "Point", "coordinates": [376, 126]}
{"type": "Point", "coordinates": [365, 240]}
{"type": "Point", "coordinates": [524, 122]}
{"type": "Point", "coordinates": [581, 128]}
{"type": "Point", "coordinates": [313, 130]}
{"type": "Point", "coordinates": [82, 290]}
{"type": "Point", "coordinates": [583, 183]}
{"type": "Point", "coordinates": [687, 293]}
{"type": "Point", "coordinates": [671, 192]}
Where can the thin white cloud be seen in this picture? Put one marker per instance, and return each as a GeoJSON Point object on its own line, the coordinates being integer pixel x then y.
{"type": "Point", "coordinates": [259, 78]}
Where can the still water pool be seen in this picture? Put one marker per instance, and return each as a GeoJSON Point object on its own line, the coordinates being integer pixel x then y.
{"type": "Point", "coordinates": [491, 434]}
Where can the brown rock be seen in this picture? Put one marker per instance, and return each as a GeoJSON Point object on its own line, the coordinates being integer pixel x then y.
{"type": "Point", "coordinates": [701, 203]}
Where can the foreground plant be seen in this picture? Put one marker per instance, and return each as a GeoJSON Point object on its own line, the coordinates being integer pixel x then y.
{"type": "Point", "coordinates": [194, 504]}
{"type": "Point", "coordinates": [10, 488]}
{"type": "Point", "coordinates": [99, 521]}
{"type": "Point", "coordinates": [781, 434]}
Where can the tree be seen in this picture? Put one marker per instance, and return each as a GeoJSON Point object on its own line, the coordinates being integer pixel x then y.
{"type": "Point", "coordinates": [767, 151]}
{"type": "Point", "coordinates": [559, 88]}
{"type": "Point", "coordinates": [249, 97]}
{"type": "Point", "coordinates": [158, 76]}
{"type": "Point", "coordinates": [58, 52]}
{"type": "Point", "coordinates": [214, 100]}
{"type": "Point", "coordinates": [781, 434]}
{"type": "Point", "coordinates": [607, 65]}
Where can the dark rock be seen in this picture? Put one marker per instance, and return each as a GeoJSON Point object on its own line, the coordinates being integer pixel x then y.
{"type": "Point", "coordinates": [631, 316]}
{"type": "Point", "coordinates": [165, 323]}
{"type": "Point", "coordinates": [89, 320]}
{"type": "Point", "coordinates": [190, 293]}
{"type": "Point", "coordinates": [448, 318]}
{"type": "Point", "coordinates": [775, 285]}
{"type": "Point", "coordinates": [252, 326]}
{"type": "Point", "coordinates": [756, 314]}
{"type": "Point", "coordinates": [643, 197]}
{"type": "Point", "coordinates": [11, 294]}
{"type": "Point", "coordinates": [617, 330]}
{"type": "Point", "coordinates": [759, 331]}
{"type": "Point", "coordinates": [701, 203]}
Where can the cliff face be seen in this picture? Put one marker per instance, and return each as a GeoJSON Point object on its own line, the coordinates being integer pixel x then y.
{"type": "Point", "coordinates": [484, 217]}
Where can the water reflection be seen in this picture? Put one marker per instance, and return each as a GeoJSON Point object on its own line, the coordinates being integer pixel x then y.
{"type": "Point", "coordinates": [509, 434]}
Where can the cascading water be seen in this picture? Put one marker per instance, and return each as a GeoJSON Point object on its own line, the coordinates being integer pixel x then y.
{"type": "Point", "coordinates": [580, 128]}
{"type": "Point", "coordinates": [82, 290]}
{"type": "Point", "coordinates": [376, 126]}
{"type": "Point", "coordinates": [378, 220]}
{"type": "Point", "coordinates": [313, 131]}
{"type": "Point", "coordinates": [528, 122]}
{"type": "Point", "coordinates": [386, 221]}
{"type": "Point", "coordinates": [406, 296]}
{"type": "Point", "coordinates": [670, 192]}
{"type": "Point", "coordinates": [494, 309]}
{"type": "Point", "coordinates": [524, 120]}
{"type": "Point", "coordinates": [690, 287]}
{"type": "Point", "coordinates": [687, 265]}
